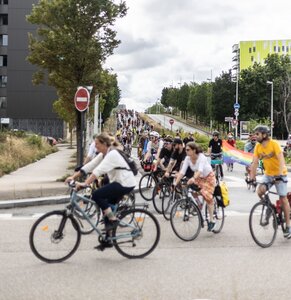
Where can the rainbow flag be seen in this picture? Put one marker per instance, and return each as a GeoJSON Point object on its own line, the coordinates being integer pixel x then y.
{"type": "Point", "coordinates": [232, 155]}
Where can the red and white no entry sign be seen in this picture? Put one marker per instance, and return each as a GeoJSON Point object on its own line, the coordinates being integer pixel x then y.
{"type": "Point", "coordinates": [82, 99]}
{"type": "Point", "coordinates": [171, 121]}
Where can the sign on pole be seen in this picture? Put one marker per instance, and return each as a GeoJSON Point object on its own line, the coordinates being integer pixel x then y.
{"type": "Point", "coordinates": [236, 106]}
{"type": "Point", "coordinates": [82, 99]}
{"type": "Point", "coordinates": [171, 121]}
{"type": "Point", "coordinates": [228, 119]}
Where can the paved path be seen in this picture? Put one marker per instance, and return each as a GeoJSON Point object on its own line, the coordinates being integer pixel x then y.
{"type": "Point", "coordinates": [38, 179]}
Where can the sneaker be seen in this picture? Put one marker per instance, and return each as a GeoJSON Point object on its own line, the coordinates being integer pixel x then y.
{"type": "Point", "coordinates": [109, 225]}
{"type": "Point", "coordinates": [287, 233]}
{"type": "Point", "coordinates": [211, 226]}
{"type": "Point", "coordinates": [103, 245]}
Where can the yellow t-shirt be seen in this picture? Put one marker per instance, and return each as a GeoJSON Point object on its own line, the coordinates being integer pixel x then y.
{"type": "Point", "coordinates": [269, 154]}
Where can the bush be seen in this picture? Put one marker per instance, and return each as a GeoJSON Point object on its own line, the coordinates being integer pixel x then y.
{"type": "Point", "coordinates": [34, 140]}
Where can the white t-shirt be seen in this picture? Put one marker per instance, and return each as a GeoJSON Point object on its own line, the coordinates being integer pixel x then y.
{"type": "Point", "coordinates": [201, 165]}
{"type": "Point", "coordinates": [92, 152]}
{"type": "Point", "coordinates": [156, 146]}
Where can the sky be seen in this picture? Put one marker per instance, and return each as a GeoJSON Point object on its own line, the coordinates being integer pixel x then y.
{"type": "Point", "coordinates": [169, 42]}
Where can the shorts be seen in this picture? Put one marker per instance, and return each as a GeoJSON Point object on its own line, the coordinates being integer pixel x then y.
{"type": "Point", "coordinates": [281, 186]}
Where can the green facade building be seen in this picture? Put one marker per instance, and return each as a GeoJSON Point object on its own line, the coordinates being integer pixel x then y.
{"type": "Point", "coordinates": [249, 52]}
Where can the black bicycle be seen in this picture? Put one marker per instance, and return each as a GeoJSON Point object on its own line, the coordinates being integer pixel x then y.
{"type": "Point", "coordinates": [148, 182]}
{"type": "Point", "coordinates": [265, 218]}
{"type": "Point", "coordinates": [191, 213]}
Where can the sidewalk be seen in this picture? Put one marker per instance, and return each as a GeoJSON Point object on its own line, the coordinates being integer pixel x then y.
{"type": "Point", "coordinates": [38, 179]}
{"type": "Point", "coordinates": [36, 184]}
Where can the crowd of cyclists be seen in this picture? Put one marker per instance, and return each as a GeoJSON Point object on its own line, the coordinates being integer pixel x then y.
{"type": "Point", "coordinates": [176, 158]}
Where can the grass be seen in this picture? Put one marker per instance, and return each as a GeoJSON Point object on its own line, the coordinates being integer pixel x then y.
{"type": "Point", "coordinates": [19, 151]}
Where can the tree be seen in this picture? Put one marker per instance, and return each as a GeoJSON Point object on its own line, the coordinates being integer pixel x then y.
{"type": "Point", "coordinates": [223, 97]}
{"type": "Point", "coordinates": [73, 40]}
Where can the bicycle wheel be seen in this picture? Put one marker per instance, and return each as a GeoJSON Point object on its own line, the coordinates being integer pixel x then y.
{"type": "Point", "coordinates": [55, 237]}
{"type": "Point", "coordinates": [168, 202]}
{"type": "Point", "coordinates": [136, 238]}
{"type": "Point", "coordinates": [159, 192]}
{"type": "Point", "coordinates": [146, 185]}
{"type": "Point", "coordinates": [186, 220]}
{"type": "Point", "coordinates": [218, 216]}
{"type": "Point", "coordinates": [92, 211]}
{"type": "Point", "coordinates": [263, 224]}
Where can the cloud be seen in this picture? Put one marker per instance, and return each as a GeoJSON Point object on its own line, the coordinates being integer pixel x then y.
{"type": "Point", "coordinates": [168, 42]}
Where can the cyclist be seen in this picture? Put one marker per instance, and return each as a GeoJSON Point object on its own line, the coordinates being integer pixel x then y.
{"type": "Point", "coordinates": [275, 169]}
{"type": "Point", "coordinates": [215, 150]}
{"type": "Point", "coordinates": [231, 142]}
{"type": "Point", "coordinates": [142, 143]}
{"type": "Point", "coordinates": [250, 147]}
{"type": "Point", "coordinates": [188, 139]}
{"type": "Point", "coordinates": [250, 144]}
{"type": "Point", "coordinates": [165, 155]}
{"type": "Point", "coordinates": [121, 179]}
{"type": "Point", "coordinates": [203, 176]}
{"type": "Point", "coordinates": [177, 157]}
{"type": "Point", "coordinates": [154, 146]}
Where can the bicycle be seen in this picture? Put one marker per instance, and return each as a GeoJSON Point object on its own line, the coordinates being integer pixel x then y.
{"type": "Point", "coordinates": [148, 182]}
{"type": "Point", "coordinates": [190, 214]}
{"type": "Point", "coordinates": [265, 218]}
{"type": "Point", "coordinates": [56, 235]}
{"type": "Point", "coordinates": [216, 163]}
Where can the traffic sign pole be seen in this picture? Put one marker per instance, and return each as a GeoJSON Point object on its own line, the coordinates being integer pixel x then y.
{"type": "Point", "coordinates": [81, 100]}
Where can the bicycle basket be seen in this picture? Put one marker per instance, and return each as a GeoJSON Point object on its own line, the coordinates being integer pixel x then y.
{"type": "Point", "coordinates": [147, 167]}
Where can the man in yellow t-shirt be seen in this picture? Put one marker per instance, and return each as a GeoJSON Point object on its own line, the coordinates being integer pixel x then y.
{"type": "Point", "coordinates": [275, 169]}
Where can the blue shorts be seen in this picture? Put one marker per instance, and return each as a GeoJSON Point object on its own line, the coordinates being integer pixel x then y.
{"type": "Point", "coordinates": [281, 186]}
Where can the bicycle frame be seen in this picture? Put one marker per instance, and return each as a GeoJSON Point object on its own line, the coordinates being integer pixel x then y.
{"type": "Point", "coordinates": [75, 198]}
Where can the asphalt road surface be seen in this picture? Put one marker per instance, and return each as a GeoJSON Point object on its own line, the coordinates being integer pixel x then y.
{"type": "Point", "coordinates": [228, 265]}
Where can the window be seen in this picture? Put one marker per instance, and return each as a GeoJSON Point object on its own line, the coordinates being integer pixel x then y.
{"type": "Point", "coordinates": [3, 1]}
{"type": "Point", "coordinates": [4, 40]}
{"type": "Point", "coordinates": [3, 81]}
{"type": "Point", "coordinates": [283, 48]}
{"type": "Point", "coordinates": [4, 19]}
{"type": "Point", "coordinates": [250, 50]}
{"type": "Point", "coordinates": [3, 102]}
{"type": "Point", "coordinates": [252, 58]}
{"type": "Point", "coordinates": [3, 60]}
{"type": "Point", "coordinates": [274, 48]}
{"type": "Point", "coordinates": [254, 49]}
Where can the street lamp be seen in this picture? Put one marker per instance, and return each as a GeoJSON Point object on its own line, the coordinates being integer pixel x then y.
{"type": "Point", "coordinates": [272, 95]}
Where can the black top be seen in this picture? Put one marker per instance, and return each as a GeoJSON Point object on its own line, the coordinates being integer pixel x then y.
{"type": "Point", "coordinates": [179, 157]}
{"type": "Point", "coordinates": [187, 140]}
{"type": "Point", "coordinates": [216, 146]}
{"type": "Point", "coordinates": [165, 153]}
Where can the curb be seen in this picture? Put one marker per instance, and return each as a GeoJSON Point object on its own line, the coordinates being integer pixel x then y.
{"type": "Point", "coordinates": [6, 204]}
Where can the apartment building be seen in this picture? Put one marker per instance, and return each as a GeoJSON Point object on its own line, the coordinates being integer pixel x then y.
{"type": "Point", "coordinates": [23, 106]}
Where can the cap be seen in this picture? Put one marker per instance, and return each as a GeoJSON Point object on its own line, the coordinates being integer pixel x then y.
{"type": "Point", "coordinates": [177, 141]}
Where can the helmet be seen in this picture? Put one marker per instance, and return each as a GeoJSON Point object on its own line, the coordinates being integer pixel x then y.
{"type": "Point", "coordinates": [262, 128]}
{"type": "Point", "coordinates": [155, 134]}
{"type": "Point", "coordinates": [215, 133]}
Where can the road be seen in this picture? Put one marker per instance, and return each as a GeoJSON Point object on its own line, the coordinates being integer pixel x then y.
{"type": "Point", "coordinates": [228, 265]}
{"type": "Point", "coordinates": [164, 121]}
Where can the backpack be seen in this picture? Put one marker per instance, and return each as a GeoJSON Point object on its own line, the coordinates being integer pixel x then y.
{"type": "Point", "coordinates": [129, 160]}
{"type": "Point", "coordinates": [221, 194]}
{"type": "Point", "coordinates": [224, 193]}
